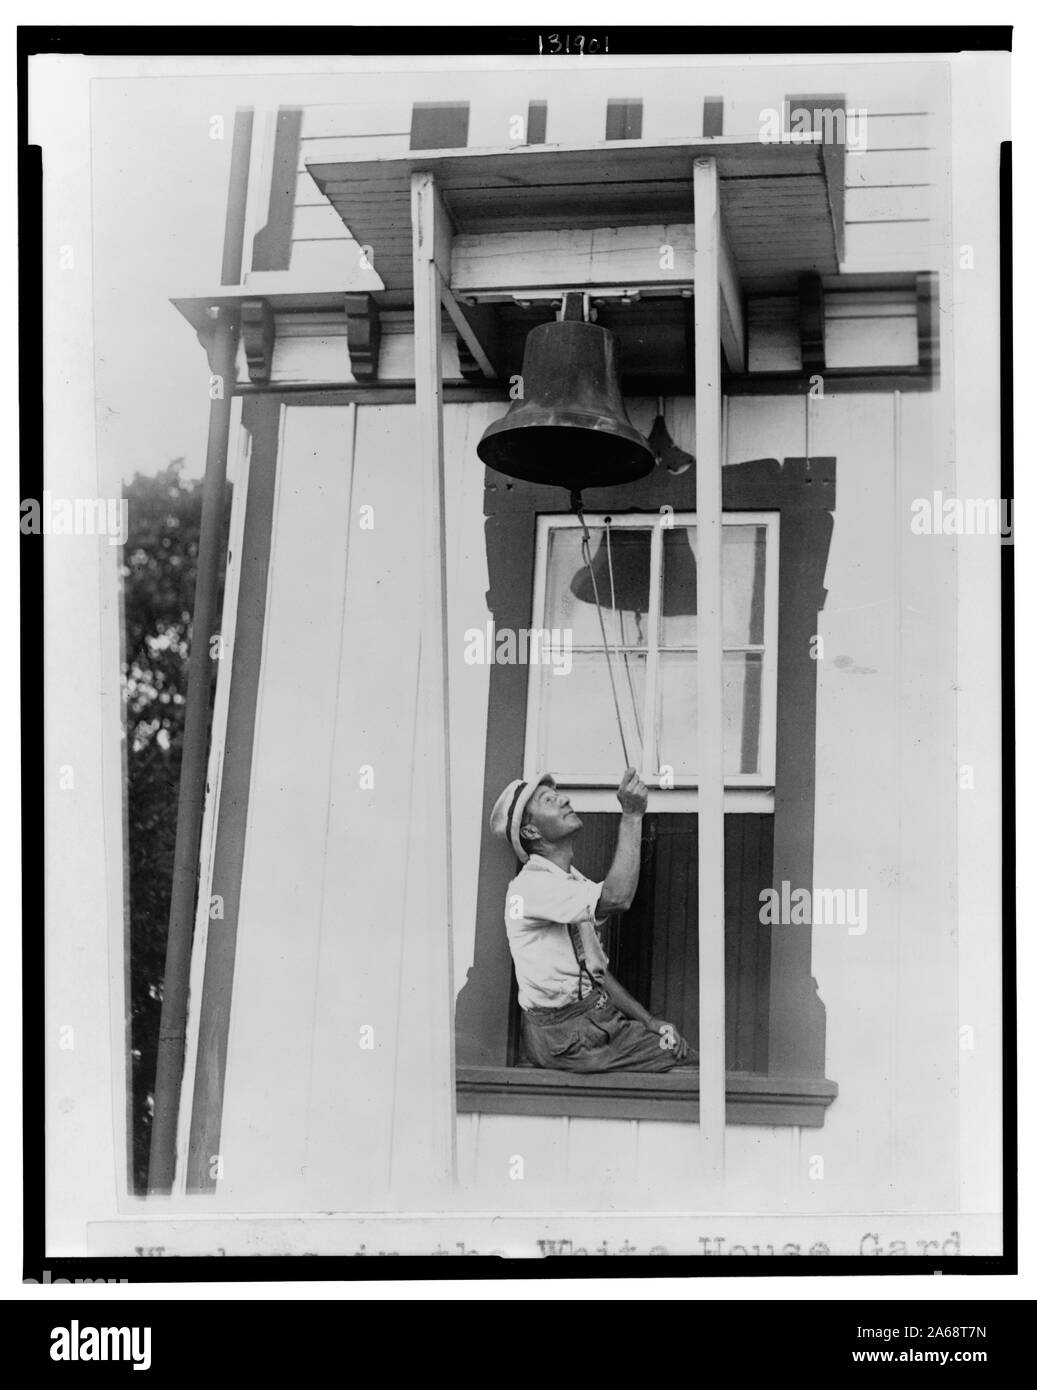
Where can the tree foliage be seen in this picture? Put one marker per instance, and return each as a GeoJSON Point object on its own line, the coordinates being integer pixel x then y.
{"type": "Point", "coordinates": [160, 560]}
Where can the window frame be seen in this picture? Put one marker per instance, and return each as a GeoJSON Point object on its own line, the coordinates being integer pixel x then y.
{"type": "Point", "coordinates": [741, 789]}
{"type": "Point", "coordinates": [795, 1090]}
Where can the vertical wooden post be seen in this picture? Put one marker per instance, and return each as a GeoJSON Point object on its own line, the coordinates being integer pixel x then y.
{"type": "Point", "coordinates": [428, 956]}
{"type": "Point", "coordinates": [191, 797]}
{"type": "Point", "coordinates": [708, 506]}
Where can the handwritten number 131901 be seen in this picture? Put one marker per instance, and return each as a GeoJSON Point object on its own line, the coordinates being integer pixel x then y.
{"type": "Point", "coordinates": [571, 43]}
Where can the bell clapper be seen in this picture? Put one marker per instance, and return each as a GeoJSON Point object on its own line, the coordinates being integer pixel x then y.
{"type": "Point", "coordinates": [667, 453]}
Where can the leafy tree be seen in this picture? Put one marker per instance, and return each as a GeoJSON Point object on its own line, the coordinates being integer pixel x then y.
{"type": "Point", "coordinates": [160, 562]}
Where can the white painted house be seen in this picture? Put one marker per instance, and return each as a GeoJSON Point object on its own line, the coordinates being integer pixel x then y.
{"type": "Point", "coordinates": [349, 1035]}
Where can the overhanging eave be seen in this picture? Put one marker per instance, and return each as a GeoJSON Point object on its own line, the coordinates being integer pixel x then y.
{"type": "Point", "coordinates": [774, 197]}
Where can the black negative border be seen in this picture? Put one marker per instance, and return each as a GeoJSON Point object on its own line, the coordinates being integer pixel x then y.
{"type": "Point", "coordinates": [684, 41]}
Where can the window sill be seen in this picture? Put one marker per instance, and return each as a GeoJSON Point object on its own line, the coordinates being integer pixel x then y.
{"type": "Point", "coordinates": [751, 1099]}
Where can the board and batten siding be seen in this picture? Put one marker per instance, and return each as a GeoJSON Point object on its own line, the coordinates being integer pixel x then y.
{"type": "Point", "coordinates": [334, 929]}
{"type": "Point", "coordinates": [884, 822]}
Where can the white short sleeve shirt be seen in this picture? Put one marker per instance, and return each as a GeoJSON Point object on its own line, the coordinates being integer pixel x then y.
{"type": "Point", "coordinates": [543, 902]}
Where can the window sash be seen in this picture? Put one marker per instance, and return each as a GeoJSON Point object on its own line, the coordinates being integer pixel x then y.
{"type": "Point", "coordinates": [653, 649]}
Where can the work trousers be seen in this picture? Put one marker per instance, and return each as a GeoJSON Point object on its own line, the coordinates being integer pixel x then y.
{"type": "Point", "coordinates": [592, 1036]}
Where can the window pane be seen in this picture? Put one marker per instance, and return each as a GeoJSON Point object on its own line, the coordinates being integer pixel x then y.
{"type": "Point", "coordinates": [678, 619]}
{"type": "Point", "coordinates": [744, 555]}
{"type": "Point", "coordinates": [623, 589]}
{"type": "Point", "coordinates": [578, 734]}
{"type": "Point", "coordinates": [678, 712]}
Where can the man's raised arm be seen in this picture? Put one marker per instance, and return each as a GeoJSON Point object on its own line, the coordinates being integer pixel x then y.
{"type": "Point", "coordinates": [617, 892]}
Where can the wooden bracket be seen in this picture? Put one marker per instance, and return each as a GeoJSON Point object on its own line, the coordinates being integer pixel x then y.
{"type": "Point", "coordinates": [811, 322]}
{"type": "Point", "coordinates": [732, 307]}
{"type": "Point", "coordinates": [257, 337]}
{"type": "Point", "coordinates": [470, 368]}
{"type": "Point", "coordinates": [476, 326]}
{"type": "Point", "coordinates": [206, 332]}
{"type": "Point", "coordinates": [363, 335]}
{"type": "Point", "coordinates": [205, 335]}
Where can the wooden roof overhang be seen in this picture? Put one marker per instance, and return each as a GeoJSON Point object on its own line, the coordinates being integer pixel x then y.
{"type": "Point", "coordinates": [527, 222]}
{"type": "Point", "coordinates": [779, 213]}
{"type": "Point", "coordinates": [523, 224]}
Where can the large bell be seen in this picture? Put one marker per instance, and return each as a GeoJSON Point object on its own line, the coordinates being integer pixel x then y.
{"type": "Point", "coordinates": [569, 428]}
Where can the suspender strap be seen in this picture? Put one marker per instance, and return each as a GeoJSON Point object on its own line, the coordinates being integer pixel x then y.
{"type": "Point", "coordinates": [581, 961]}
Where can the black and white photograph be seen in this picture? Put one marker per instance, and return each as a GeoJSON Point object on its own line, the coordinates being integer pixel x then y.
{"type": "Point", "coordinates": [524, 537]}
